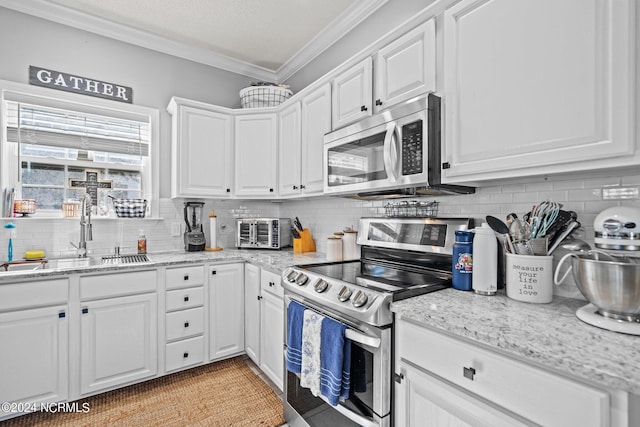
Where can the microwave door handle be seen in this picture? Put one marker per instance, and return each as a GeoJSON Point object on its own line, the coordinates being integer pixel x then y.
{"type": "Point", "coordinates": [389, 151]}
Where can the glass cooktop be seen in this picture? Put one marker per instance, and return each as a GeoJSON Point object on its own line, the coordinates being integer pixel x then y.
{"type": "Point", "coordinates": [384, 278]}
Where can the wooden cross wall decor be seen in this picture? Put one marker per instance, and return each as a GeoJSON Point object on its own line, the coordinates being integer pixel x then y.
{"type": "Point", "coordinates": [91, 185]}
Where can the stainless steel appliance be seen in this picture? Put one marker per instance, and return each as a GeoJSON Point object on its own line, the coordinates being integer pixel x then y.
{"type": "Point", "coordinates": [395, 153]}
{"type": "Point", "coordinates": [194, 239]}
{"type": "Point", "coordinates": [401, 258]}
{"type": "Point", "coordinates": [618, 228]}
{"type": "Point", "coordinates": [263, 233]}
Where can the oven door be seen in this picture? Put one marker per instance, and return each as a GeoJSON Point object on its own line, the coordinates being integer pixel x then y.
{"type": "Point", "coordinates": [369, 402]}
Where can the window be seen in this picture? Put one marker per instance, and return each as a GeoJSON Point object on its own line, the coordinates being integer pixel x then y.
{"type": "Point", "coordinates": [50, 143]}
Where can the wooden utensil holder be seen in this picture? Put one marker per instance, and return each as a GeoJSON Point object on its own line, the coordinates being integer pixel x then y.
{"type": "Point", "coordinates": [305, 243]}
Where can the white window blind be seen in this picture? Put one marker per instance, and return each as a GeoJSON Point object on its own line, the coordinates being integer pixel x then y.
{"type": "Point", "coordinates": [40, 125]}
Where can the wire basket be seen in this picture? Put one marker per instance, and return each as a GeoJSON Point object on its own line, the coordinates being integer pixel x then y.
{"type": "Point", "coordinates": [70, 209]}
{"type": "Point", "coordinates": [263, 96]}
{"type": "Point", "coordinates": [411, 209]}
{"type": "Point", "coordinates": [130, 208]}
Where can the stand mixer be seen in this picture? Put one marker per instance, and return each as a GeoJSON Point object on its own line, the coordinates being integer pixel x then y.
{"type": "Point", "coordinates": [194, 239]}
{"type": "Point", "coordinates": [613, 283]}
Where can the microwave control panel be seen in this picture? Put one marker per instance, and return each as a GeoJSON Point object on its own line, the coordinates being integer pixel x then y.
{"type": "Point", "coordinates": [412, 151]}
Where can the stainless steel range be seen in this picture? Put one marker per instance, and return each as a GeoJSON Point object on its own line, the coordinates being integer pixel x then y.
{"type": "Point", "coordinates": [401, 258]}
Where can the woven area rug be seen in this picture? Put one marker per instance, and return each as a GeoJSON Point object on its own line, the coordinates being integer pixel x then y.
{"type": "Point", "coordinates": [225, 393]}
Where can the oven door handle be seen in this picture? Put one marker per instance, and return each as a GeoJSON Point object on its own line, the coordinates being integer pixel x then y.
{"type": "Point", "coordinates": [362, 338]}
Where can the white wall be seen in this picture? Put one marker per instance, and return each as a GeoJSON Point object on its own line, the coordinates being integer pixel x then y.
{"type": "Point", "coordinates": [154, 77]}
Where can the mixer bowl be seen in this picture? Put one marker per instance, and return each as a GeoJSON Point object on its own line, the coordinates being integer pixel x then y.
{"type": "Point", "coordinates": [612, 285]}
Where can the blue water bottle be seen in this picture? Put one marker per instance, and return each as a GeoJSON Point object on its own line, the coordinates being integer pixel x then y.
{"type": "Point", "coordinates": [462, 262]}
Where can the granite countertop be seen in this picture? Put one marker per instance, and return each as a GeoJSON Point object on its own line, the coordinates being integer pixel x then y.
{"type": "Point", "coordinates": [271, 260]}
{"type": "Point", "coordinates": [547, 335]}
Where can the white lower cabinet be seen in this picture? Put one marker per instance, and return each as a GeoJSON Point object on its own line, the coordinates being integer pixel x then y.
{"type": "Point", "coordinates": [442, 381]}
{"type": "Point", "coordinates": [264, 321]}
{"type": "Point", "coordinates": [118, 341]}
{"type": "Point", "coordinates": [185, 317]}
{"type": "Point", "coordinates": [226, 310]}
{"type": "Point", "coordinates": [272, 327]}
{"type": "Point", "coordinates": [252, 312]}
{"type": "Point", "coordinates": [34, 357]}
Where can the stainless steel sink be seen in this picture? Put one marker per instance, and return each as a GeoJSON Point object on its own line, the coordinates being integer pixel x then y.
{"type": "Point", "coordinates": [75, 262]}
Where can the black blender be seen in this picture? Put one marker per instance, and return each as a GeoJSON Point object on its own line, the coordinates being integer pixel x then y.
{"type": "Point", "coordinates": [194, 239]}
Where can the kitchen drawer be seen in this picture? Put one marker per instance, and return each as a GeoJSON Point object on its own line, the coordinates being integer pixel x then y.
{"type": "Point", "coordinates": [271, 282]}
{"type": "Point", "coordinates": [184, 353]}
{"type": "Point", "coordinates": [185, 277]}
{"type": "Point", "coordinates": [185, 323]}
{"type": "Point", "coordinates": [535, 394]}
{"type": "Point", "coordinates": [15, 296]}
{"type": "Point", "coordinates": [185, 298]}
{"type": "Point", "coordinates": [117, 284]}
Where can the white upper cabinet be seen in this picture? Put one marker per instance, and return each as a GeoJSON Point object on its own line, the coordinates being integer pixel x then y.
{"type": "Point", "coordinates": [538, 86]}
{"type": "Point", "coordinates": [301, 129]}
{"type": "Point", "coordinates": [201, 150]}
{"type": "Point", "coordinates": [256, 136]}
{"type": "Point", "coordinates": [352, 94]}
{"type": "Point", "coordinates": [406, 67]}
{"type": "Point", "coordinates": [289, 140]}
{"type": "Point", "coordinates": [316, 121]}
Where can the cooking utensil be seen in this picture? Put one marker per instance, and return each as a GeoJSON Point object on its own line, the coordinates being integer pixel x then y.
{"type": "Point", "coordinates": [543, 216]}
{"type": "Point", "coordinates": [563, 219]}
{"type": "Point", "coordinates": [295, 233]}
{"type": "Point", "coordinates": [563, 235]}
{"type": "Point", "coordinates": [501, 228]}
{"type": "Point", "coordinates": [608, 283]}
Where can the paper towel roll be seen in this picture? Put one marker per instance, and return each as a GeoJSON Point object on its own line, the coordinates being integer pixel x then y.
{"type": "Point", "coordinates": [213, 231]}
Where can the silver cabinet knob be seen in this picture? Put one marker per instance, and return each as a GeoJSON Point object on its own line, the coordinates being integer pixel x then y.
{"type": "Point", "coordinates": [359, 299]}
{"type": "Point", "coordinates": [344, 294]}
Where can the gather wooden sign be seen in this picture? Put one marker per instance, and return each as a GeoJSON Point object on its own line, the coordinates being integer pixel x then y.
{"type": "Point", "coordinates": [71, 83]}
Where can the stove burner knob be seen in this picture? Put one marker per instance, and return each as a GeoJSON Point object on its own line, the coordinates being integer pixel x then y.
{"type": "Point", "coordinates": [291, 277]}
{"type": "Point", "coordinates": [344, 294]}
{"type": "Point", "coordinates": [301, 279]}
{"type": "Point", "coordinates": [359, 299]}
{"type": "Point", "coordinates": [321, 286]}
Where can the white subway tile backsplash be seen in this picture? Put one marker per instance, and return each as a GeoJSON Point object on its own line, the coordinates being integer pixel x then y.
{"type": "Point", "coordinates": [323, 215]}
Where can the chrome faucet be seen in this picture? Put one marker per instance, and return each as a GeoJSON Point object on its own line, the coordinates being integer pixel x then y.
{"type": "Point", "coordinates": [86, 233]}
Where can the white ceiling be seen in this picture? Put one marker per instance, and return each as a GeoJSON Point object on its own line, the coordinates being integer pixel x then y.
{"type": "Point", "coordinates": [267, 39]}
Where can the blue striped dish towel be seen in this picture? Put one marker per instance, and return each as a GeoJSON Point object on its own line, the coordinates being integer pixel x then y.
{"type": "Point", "coordinates": [335, 361]}
{"type": "Point", "coordinates": [295, 317]}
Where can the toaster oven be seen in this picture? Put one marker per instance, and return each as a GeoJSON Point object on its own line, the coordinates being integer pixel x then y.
{"type": "Point", "coordinates": [263, 233]}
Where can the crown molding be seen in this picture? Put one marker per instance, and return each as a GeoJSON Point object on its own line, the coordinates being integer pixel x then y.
{"type": "Point", "coordinates": [337, 29]}
{"type": "Point", "coordinates": [93, 24]}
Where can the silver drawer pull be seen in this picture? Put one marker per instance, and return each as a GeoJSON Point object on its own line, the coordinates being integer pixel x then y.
{"type": "Point", "coordinates": [468, 373]}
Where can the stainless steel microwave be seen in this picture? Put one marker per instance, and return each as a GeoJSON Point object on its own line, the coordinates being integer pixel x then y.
{"type": "Point", "coordinates": [263, 233]}
{"type": "Point", "coordinates": [394, 152]}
